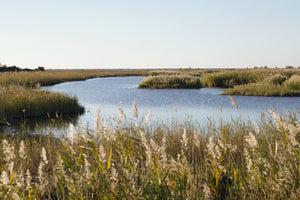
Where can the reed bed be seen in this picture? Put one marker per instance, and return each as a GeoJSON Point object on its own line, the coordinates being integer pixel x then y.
{"type": "Point", "coordinates": [141, 160]}
{"type": "Point", "coordinates": [170, 82]}
{"type": "Point", "coordinates": [231, 78]}
{"type": "Point", "coordinates": [277, 85]}
{"type": "Point", "coordinates": [17, 102]}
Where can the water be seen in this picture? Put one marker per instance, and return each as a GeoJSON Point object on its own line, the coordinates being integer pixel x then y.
{"type": "Point", "coordinates": [198, 105]}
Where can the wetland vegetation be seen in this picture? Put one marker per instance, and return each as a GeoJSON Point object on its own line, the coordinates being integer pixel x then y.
{"type": "Point", "coordinates": [143, 160]}
{"type": "Point", "coordinates": [250, 82]}
{"type": "Point", "coordinates": [171, 82]}
{"type": "Point", "coordinates": [140, 159]}
{"type": "Point", "coordinates": [20, 90]}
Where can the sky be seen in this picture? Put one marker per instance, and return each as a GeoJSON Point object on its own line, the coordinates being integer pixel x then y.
{"type": "Point", "coordinates": [68, 34]}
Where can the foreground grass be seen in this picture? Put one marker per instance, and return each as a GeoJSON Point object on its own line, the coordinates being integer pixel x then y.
{"type": "Point", "coordinates": [139, 160]}
{"type": "Point", "coordinates": [170, 82]}
{"type": "Point", "coordinates": [17, 102]}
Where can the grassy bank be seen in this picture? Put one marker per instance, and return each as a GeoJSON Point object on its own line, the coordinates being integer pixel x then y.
{"type": "Point", "coordinates": [255, 82]}
{"type": "Point", "coordinates": [170, 82]}
{"type": "Point", "coordinates": [276, 85]}
{"type": "Point", "coordinates": [17, 102]}
{"type": "Point", "coordinates": [157, 161]}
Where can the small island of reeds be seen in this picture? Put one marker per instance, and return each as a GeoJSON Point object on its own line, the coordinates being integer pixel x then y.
{"type": "Point", "coordinates": [255, 82]}
{"type": "Point", "coordinates": [171, 82]}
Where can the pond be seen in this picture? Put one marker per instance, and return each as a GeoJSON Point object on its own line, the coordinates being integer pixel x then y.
{"type": "Point", "coordinates": [199, 105]}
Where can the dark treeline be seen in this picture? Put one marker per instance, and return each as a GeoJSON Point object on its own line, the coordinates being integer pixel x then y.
{"type": "Point", "coordinates": [5, 68]}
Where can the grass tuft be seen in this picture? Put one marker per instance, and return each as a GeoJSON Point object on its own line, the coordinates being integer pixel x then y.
{"type": "Point", "coordinates": [170, 82]}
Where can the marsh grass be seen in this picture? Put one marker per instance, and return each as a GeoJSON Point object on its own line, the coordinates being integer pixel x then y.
{"type": "Point", "coordinates": [170, 82]}
{"type": "Point", "coordinates": [17, 102]}
{"type": "Point", "coordinates": [46, 78]}
{"type": "Point", "coordinates": [276, 85]}
{"type": "Point", "coordinates": [133, 160]}
{"type": "Point", "coordinates": [231, 78]}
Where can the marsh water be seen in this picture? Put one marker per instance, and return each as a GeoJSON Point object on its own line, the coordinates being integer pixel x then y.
{"type": "Point", "coordinates": [199, 105]}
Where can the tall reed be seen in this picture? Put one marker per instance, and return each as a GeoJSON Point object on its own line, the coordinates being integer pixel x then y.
{"type": "Point", "coordinates": [126, 160]}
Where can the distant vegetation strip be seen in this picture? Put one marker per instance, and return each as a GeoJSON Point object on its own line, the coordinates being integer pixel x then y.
{"type": "Point", "coordinates": [142, 160]}
{"type": "Point", "coordinates": [171, 82]}
{"type": "Point", "coordinates": [5, 68]}
{"type": "Point", "coordinates": [46, 78]}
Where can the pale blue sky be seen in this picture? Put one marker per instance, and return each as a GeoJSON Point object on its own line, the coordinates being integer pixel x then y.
{"type": "Point", "coordinates": [149, 34]}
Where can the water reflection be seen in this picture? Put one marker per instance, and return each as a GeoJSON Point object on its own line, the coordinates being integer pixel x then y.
{"type": "Point", "coordinates": [47, 124]}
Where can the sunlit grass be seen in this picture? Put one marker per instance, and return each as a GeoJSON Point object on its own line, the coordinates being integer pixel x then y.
{"type": "Point", "coordinates": [277, 85]}
{"type": "Point", "coordinates": [170, 82]}
{"type": "Point", "coordinates": [133, 160]}
{"type": "Point", "coordinates": [17, 102]}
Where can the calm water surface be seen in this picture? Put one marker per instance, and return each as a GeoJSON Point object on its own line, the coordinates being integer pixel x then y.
{"type": "Point", "coordinates": [199, 105]}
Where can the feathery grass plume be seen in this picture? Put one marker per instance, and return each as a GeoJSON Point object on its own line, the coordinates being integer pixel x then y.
{"type": "Point", "coordinates": [196, 140]}
{"type": "Point", "coordinates": [8, 151]}
{"type": "Point", "coordinates": [147, 149]}
{"type": "Point", "coordinates": [251, 141]}
{"type": "Point", "coordinates": [249, 162]}
{"type": "Point", "coordinates": [163, 154]}
{"type": "Point", "coordinates": [148, 117]}
{"type": "Point", "coordinates": [213, 150]}
{"type": "Point", "coordinates": [87, 165]}
{"type": "Point", "coordinates": [233, 102]}
{"type": "Point", "coordinates": [108, 132]}
{"type": "Point", "coordinates": [113, 177]}
{"type": "Point", "coordinates": [184, 143]}
{"type": "Point", "coordinates": [256, 128]}
{"type": "Point", "coordinates": [154, 147]}
{"type": "Point", "coordinates": [9, 155]}
{"type": "Point", "coordinates": [44, 156]}
{"type": "Point", "coordinates": [72, 134]}
{"type": "Point", "coordinates": [28, 179]}
{"type": "Point", "coordinates": [102, 154]}
{"type": "Point", "coordinates": [135, 110]}
{"type": "Point", "coordinates": [207, 192]}
{"type": "Point", "coordinates": [121, 111]}
{"type": "Point", "coordinates": [292, 133]}
{"type": "Point", "coordinates": [4, 179]}
{"type": "Point", "coordinates": [97, 122]}
{"type": "Point", "coordinates": [276, 119]}
{"type": "Point", "coordinates": [22, 150]}
{"type": "Point", "coordinates": [43, 180]}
